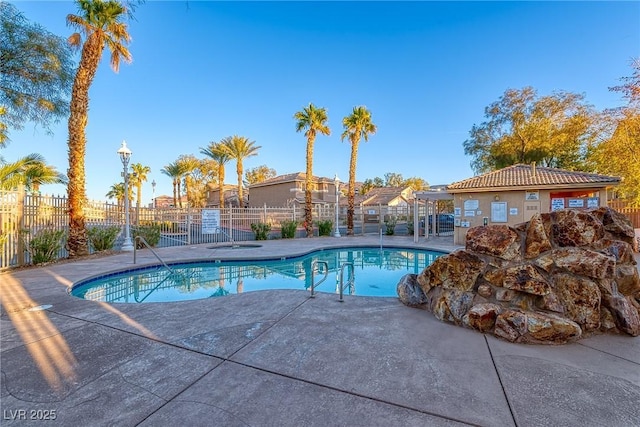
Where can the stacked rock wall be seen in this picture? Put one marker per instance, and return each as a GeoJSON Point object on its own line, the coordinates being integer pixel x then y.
{"type": "Point", "coordinates": [554, 279]}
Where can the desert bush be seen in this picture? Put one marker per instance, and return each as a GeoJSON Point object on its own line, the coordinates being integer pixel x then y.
{"type": "Point", "coordinates": [103, 238]}
{"type": "Point", "coordinates": [261, 230]}
{"type": "Point", "coordinates": [325, 227]}
{"type": "Point", "coordinates": [288, 229]}
{"type": "Point", "coordinates": [150, 233]}
{"type": "Point", "coordinates": [390, 225]}
{"type": "Point", "coordinates": [45, 244]}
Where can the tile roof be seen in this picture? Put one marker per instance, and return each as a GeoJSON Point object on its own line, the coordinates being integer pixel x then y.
{"type": "Point", "coordinates": [291, 177]}
{"type": "Point", "coordinates": [531, 176]}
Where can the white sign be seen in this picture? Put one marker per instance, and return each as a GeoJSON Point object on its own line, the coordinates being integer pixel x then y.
{"type": "Point", "coordinates": [498, 211]}
{"type": "Point", "coordinates": [576, 203]}
{"type": "Point", "coordinates": [210, 221]}
{"type": "Point", "coordinates": [557, 204]}
{"type": "Point", "coordinates": [531, 195]}
{"type": "Point", "coordinates": [469, 213]}
{"type": "Point", "coordinates": [513, 211]}
{"type": "Point", "coordinates": [471, 205]}
{"type": "Point", "coordinates": [592, 202]}
{"type": "Point", "coordinates": [456, 211]}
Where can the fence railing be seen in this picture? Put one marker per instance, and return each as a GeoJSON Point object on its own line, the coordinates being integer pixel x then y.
{"type": "Point", "coordinates": [23, 216]}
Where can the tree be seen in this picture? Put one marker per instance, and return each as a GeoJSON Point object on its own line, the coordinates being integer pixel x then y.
{"type": "Point", "coordinates": [357, 126]}
{"type": "Point", "coordinates": [392, 179]}
{"type": "Point", "coordinates": [312, 120]}
{"type": "Point", "coordinates": [220, 155]}
{"type": "Point", "coordinates": [369, 184]}
{"type": "Point", "coordinates": [138, 177]}
{"type": "Point", "coordinates": [117, 192]}
{"type": "Point", "coordinates": [239, 148]}
{"type": "Point", "coordinates": [32, 171]}
{"type": "Point", "coordinates": [416, 184]}
{"type": "Point", "coordinates": [36, 70]}
{"type": "Point", "coordinates": [258, 174]}
{"type": "Point", "coordinates": [554, 131]}
{"type": "Point", "coordinates": [201, 179]}
{"type": "Point", "coordinates": [173, 171]}
{"type": "Point", "coordinates": [188, 164]}
{"type": "Point", "coordinates": [101, 24]}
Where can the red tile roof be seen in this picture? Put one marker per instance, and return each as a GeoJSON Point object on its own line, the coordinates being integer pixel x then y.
{"type": "Point", "coordinates": [529, 176]}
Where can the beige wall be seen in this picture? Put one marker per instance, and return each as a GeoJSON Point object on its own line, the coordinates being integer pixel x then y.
{"type": "Point", "coordinates": [280, 194]}
{"type": "Point", "coordinates": [514, 204]}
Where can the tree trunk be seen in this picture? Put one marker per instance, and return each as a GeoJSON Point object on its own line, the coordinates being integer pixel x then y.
{"type": "Point", "coordinates": [221, 185]}
{"type": "Point", "coordinates": [77, 241]}
{"type": "Point", "coordinates": [308, 205]}
{"type": "Point", "coordinates": [240, 194]}
{"type": "Point", "coordinates": [352, 187]}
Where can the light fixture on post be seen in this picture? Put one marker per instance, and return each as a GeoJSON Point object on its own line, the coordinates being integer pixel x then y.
{"type": "Point", "coordinates": [125, 155]}
{"type": "Point", "coordinates": [336, 183]}
{"type": "Point", "coordinates": [153, 190]}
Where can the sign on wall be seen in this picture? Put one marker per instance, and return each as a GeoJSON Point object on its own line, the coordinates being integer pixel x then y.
{"type": "Point", "coordinates": [471, 205]}
{"type": "Point", "coordinates": [557, 204]}
{"type": "Point", "coordinates": [498, 211]}
{"type": "Point", "coordinates": [210, 221]}
{"type": "Point", "coordinates": [531, 195]}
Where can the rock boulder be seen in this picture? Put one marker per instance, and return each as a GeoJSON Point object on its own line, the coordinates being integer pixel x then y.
{"type": "Point", "coordinates": [554, 279]}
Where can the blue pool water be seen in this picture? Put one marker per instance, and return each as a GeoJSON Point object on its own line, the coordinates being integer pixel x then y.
{"type": "Point", "coordinates": [377, 273]}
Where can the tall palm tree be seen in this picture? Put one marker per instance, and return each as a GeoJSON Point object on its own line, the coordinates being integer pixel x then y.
{"type": "Point", "coordinates": [173, 171]}
{"type": "Point", "coordinates": [139, 176]}
{"type": "Point", "coordinates": [217, 151]}
{"type": "Point", "coordinates": [239, 148]}
{"type": "Point", "coordinates": [101, 24]}
{"type": "Point", "coordinates": [357, 125]}
{"type": "Point", "coordinates": [188, 164]}
{"type": "Point", "coordinates": [312, 120]}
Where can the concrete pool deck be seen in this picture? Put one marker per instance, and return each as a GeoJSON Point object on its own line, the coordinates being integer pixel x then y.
{"type": "Point", "coordinates": [280, 358]}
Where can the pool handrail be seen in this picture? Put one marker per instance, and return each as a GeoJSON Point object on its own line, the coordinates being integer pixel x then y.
{"type": "Point", "coordinates": [350, 282]}
{"type": "Point", "coordinates": [314, 266]}
{"type": "Point", "coordinates": [144, 242]}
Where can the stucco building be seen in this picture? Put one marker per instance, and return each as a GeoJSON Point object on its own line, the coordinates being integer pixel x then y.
{"type": "Point", "coordinates": [514, 194]}
{"type": "Point", "coordinates": [288, 190]}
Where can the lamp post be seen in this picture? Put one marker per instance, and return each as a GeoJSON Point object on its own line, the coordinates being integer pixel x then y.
{"type": "Point", "coordinates": [125, 155]}
{"type": "Point", "coordinates": [336, 183]}
{"type": "Point", "coordinates": [153, 193]}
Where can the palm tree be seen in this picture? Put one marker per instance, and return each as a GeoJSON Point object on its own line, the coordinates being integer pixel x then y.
{"type": "Point", "coordinates": [139, 176]}
{"type": "Point", "coordinates": [314, 121]}
{"type": "Point", "coordinates": [100, 23]}
{"type": "Point", "coordinates": [220, 156]}
{"type": "Point", "coordinates": [188, 164]}
{"type": "Point", "coordinates": [30, 171]}
{"type": "Point", "coordinates": [173, 171]}
{"type": "Point", "coordinates": [239, 148]}
{"type": "Point", "coordinates": [357, 125]}
{"type": "Point", "coordinates": [117, 192]}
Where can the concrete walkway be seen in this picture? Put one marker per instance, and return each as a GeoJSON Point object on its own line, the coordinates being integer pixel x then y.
{"type": "Point", "coordinates": [279, 358]}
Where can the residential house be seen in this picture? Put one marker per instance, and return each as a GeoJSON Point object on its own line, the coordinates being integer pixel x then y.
{"type": "Point", "coordinates": [289, 190]}
{"type": "Point", "coordinates": [514, 194]}
{"type": "Point", "coordinates": [230, 196]}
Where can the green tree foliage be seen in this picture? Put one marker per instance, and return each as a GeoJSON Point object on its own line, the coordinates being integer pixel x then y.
{"type": "Point", "coordinates": [619, 155]}
{"type": "Point", "coordinates": [239, 148]}
{"type": "Point", "coordinates": [138, 177]}
{"type": "Point", "coordinates": [36, 70]}
{"type": "Point", "coordinates": [31, 171]}
{"type": "Point", "coordinates": [393, 179]}
{"type": "Point", "coordinates": [521, 127]}
{"type": "Point", "coordinates": [258, 174]}
{"type": "Point", "coordinates": [417, 184]}
{"type": "Point", "coordinates": [217, 152]}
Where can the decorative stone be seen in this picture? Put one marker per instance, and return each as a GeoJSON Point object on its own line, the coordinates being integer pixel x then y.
{"type": "Point", "coordinates": [410, 292]}
{"type": "Point", "coordinates": [575, 228]}
{"type": "Point", "coordinates": [580, 298]}
{"type": "Point", "coordinates": [458, 270]}
{"type": "Point", "coordinates": [552, 280]}
{"type": "Point", "coordinates": [537, 240]}
{"type": "Point", "coordinates": [482, 316]}
{"type": "Point", "coordinates": [496, 240]}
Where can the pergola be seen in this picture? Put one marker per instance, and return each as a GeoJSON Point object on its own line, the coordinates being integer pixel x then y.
{"type": "Point", "coordinates": [428, 197]}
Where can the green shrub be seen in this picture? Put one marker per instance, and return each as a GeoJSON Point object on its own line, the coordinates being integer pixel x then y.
{"type": "Point", "coordinates": [261, 230]}
{"type": "Point", "coordinates": [103, 238]}
{"type": "Point", "coordinates": [410, 226]}
{"type": "Point", "coordinates": [150, 233]}
{"type": "Point", "coordinates": [391, 225]}
{"type": "Point", "coordinates": [325, 227]}
{"type": "Point", "coordinates": [288, 229]}
{"type": "Point", "coordinates": [45, 244]}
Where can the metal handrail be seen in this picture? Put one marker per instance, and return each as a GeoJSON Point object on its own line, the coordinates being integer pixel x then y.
{"type": "Point", "coordinates": [314, 267]}
{"type": "Point", "coordinates": [225, 233]}
{"type": "Point", "coordinates": [144, 242]}
{"type": "Point", "coordinates": [350, 282]}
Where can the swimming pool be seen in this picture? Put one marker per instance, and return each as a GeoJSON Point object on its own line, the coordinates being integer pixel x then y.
{"type": "Point", "coordinates": [377, 272]}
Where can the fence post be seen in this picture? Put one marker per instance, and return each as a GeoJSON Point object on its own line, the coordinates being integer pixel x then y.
{"type": "Point", "coordinates": [231, 223]}
{"type": "Point", "coordinates": [20, 227]}
{"type": "Point", "coordinates": [188, 224]}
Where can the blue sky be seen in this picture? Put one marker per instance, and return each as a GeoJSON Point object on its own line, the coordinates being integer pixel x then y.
{"type": "Point", "coordinates": [203, 70]}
